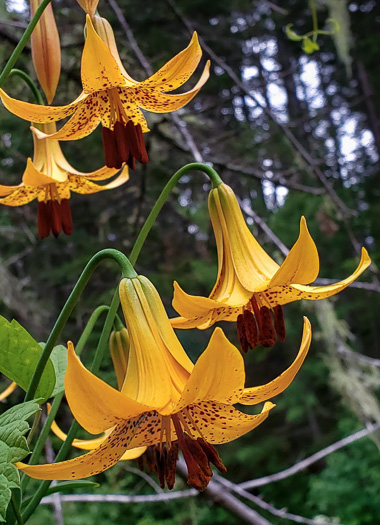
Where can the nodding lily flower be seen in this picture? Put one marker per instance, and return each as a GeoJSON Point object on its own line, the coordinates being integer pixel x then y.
{"type": "Point", "coordinates": [251, 287]}
{"type": "Point", "coordinates": [112, 97]}
{"type": "Point", "coordinates": [8, 391]}
{"type": "Point", "coordinates": [166, 403]}
{"type": "Point", "coordinates": [50, 179]}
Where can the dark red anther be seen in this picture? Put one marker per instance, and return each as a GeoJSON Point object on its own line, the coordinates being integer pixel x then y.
{"type": "Point", "coordinates": [67, 220]}
{"type": "Point", "coordinates": [111, 153]}
{"type": "Point", "coordinates": [172, 456]}
{"type": "Point", "coordinates": [240, 326]}
{"type": "Point", "coordinates": [267, 336]}
{"type": "Point", "coordinates": [251, 330]}
{"type": "Point", "coordinates": [131, 162]}
{"type": "Point", "coordinates": [132, 139]}
{"type": "Point", "coordinates": [160, 457]}
{"type": "Point", "coordinates": [256, 310]}
{"type": "Point", "coordinates": [43, 219]}
{"type": "Point", "coordinates": [56, 217]}
{"type": "Point", "coordinates": [212, 455]}
{"type": "Point", "coordinates": [279, 322]}
{"type": "Point", "coordinates": [121, 141]}
{"type": "Point", "coordinates": [199, 455]}
{"type": "Point", "coordinates": [143, 153]}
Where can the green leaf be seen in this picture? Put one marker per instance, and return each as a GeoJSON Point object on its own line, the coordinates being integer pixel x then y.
{"type": "Point", "coordinates": [309, 46]}
{"type": "Point", "coordinates": [19, 355]}
{"type": "Point", "coordinates": [59, 359]}
{"type": "Point", "coordinates": [291, 34]}
{"type": "Point", "coordinates": [13, 448]}
{"type": "Point", "coordinates": [67, 486]}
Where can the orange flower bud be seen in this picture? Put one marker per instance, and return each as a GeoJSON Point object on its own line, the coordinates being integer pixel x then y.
{"type": "Point", "coordinates": [46, 50]}
{"type": "Point", "coordinates": [89, 6]}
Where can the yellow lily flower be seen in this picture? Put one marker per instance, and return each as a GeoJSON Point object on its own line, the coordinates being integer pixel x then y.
{"type": "Point", "coordinates": [112, 97]}
{"type": "Point", "coordinates": [8, 391]}
{"type": "Point", "coordinates": [250, 286]}
{"type": "Point", "coordinates": [50, 179]}
{"type": "Point", "coordinates": [166, 402]}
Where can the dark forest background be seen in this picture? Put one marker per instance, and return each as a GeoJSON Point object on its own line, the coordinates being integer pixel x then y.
{"type": "Point", "coordinates": [293, 134]}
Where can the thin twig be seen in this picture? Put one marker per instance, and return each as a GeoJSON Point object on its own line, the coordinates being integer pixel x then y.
{"type": "Point", "coordinates": [302, 465]}
{"type": "Point", "coordinates": [121, 498]}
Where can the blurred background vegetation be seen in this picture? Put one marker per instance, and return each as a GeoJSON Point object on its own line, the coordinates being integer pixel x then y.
{"type": "Point", "coordinates": [293, 134]}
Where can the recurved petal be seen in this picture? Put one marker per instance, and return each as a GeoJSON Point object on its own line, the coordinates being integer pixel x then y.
{"type": "Point", "coordinates": [95, 405]}
{"type": "Point", "coordinates": [37, 112]}
{"type": "Point", "coordinates": [218, 375]}
{"type": "Point", "coordinates": [33, 177]}
{"type": "Point", "coordinates": [221, 423]}
{"type": "Point", "coordinates": [156, 102]}
{"type": "Point", "coordinates": [252, 396]}
{"type": "Point", "coordinates": [94, 462]}
{"type": "Point", "coordinates": [91, 444]}
{"type": "Point", "coordinates": [298, 291]}
{"type": "Point", "coordinates": [83, 185]}
{"type": "Point", "coordinates": [100, 70]}
{"type": "Point", "coordinates": [301, 265]}
{"type": "Point", "coordinates": [20, 196]}
{"type": "Point", "coordinates": [192, 306]}
{"type": "Point", "coordinates": [179, 69]}
{"type": "Point", "coordinates": [85, 119]}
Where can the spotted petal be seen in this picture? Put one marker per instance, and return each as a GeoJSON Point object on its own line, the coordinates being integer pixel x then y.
{"type": "Point", "coordinates": [252, 396]}
{"type": "Point", "coordinates": [179, 69]}
{"type": "Point", "coordinates": [81, 184]}
{"type": "Point", "coordinates": [218, 374]}
{"type": "Point", "coordinates": [94, 462]}
{"type": "Point", "coordinates": [95, 405]}
{"type": "Point", "coordinates": [156, 102]}
{"type": "Point", "coordinates": [37, 112]}
{"type": "Point", "coordinates": [19, 197]}
{"type": "Point", "coordinates": [221, 423]}
{"type": "Point", "coordinates": [100, 70]}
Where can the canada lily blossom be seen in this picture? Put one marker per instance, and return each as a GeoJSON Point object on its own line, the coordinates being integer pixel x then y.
{"type": "Point", "coordinates": [251, 287]}
{"type": "Point", "coordinates": [50, 179]}
{"type": "Point", "coordinates": [111, 96]}
{"type": "Point", "coordinates": [166, 402]}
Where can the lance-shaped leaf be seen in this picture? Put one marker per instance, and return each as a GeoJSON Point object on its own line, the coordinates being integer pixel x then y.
{"type": "Point", "coordinates": [13, 448]}
{"type": "Point", "coordinates": [19, 355]}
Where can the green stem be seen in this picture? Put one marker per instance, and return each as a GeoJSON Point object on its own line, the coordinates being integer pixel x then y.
{"type": "Point", "coordinates": [23, 41]}
{"type": "Point", "coordinates": [36, 420]}
{"type": "Point", "coordinates": [26, 78]}
{"type": "Point", "coordinates": [16, 510]}
{"type": "Point", "coordinates": [89, 327]}
{"type": "Point", "coordinates": [37, 449]}
{"type": "Point", "coordinates": [127, 271]}
{"type": "Point", "coordinates": [63, 451]}
{"type": "Point", "coordinates": [315, 19]}
{"type": "Point", "coordinates": [194, 166]}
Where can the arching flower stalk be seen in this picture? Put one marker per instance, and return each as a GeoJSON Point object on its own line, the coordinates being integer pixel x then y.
{"type": "Point", "coordinates": [111, 96]}
{"type": "Point", "coordinates": [50, 179]}
{"type": "Point", "coordinates": [251, 287]}
{"type": "Point", "coordinates": [166, 402]}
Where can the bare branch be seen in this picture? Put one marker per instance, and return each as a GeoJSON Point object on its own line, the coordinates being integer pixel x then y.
{"type": "Point", "coordinates": [302, 465]}
{"type": "Point", "coordinates": [121, 498]}
{"type": "Point", "coordinates": [281, 513]}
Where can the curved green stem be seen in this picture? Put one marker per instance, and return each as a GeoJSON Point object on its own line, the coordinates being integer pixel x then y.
{"type": "Point", "coordinates": [194, 166]}
{"type": "Point", "coordinates": [23, 41]}
{"type": "Point", "coordinates": [16, 510]}
{"type": "Point", "coordinates": [26, 78]}
{"type": "Point", "coordinates": [89, 327]}
{"type": "Point", "coordinates": [127, 271]}
{"type": "Point", "coordinates": [63, 451]}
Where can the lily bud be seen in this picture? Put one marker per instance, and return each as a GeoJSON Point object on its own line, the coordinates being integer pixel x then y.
{"type": "Point", "coordinates": [89, 6]}
{"type": "Point", "coordinates": [46, 50]}
{"type": "Point", "coordinates": [119, 349]}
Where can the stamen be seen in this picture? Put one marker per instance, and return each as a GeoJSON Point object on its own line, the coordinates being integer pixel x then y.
{"type": "Point", "coordinates": [160, 456]}
{"type": "Point", "coordinates": [43, 219]}
{"type": "Point", "coordinates": [190, 418]}
{"type": "Point", "coordinates": [279, 322]}
{"type": "Point", "coordinates": [67, 220]}
{"type": "Point", "coordinates": [122, 144]}
{"type": "Point", "coordinates": [184, 424]}
{"type": "Point", "coordinates": [171, 464]}
{"type": "Point", "coordinates": [199, 455]}
{"type": "Point", "coordinates": [56, 218]}
{"type": "Point", "coordinates": [267, 336]}
{"type": "Point", "coordinates": [256, 310]}
{"type": "Point", "coordinates": [111, 153]}
{"type": "Point", "coordinates": [143, 152]}
{"type": "Point", "coordinates": [251, 331]}
{"type": "Point", "coordinates": [212, 455]}
{"type": "Point", "coordinates": [240, 326]}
